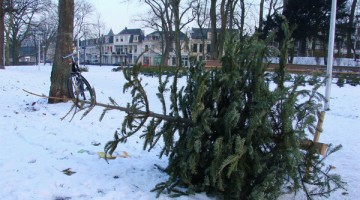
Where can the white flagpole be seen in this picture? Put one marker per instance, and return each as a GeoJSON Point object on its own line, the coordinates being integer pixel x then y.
{"type": "Point", "coordinates": [328, 74]}
{"type": "Point", "coordinates": [330, 55]}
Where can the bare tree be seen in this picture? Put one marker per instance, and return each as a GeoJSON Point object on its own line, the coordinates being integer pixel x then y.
{"type": "Point", "coordinates": [168, 17]}
{"type": "Point", "coordinates": [23, 23]}
{"type": "Point", "coordinates": [48, 27]}
{"type": "Point", "coordinates": [160, 18]}
{"type": "Point", "coordinates": [64, 43]}
{"type": "Point", "coordinates": [242, 19]}
{"type": "Point", "coordinates": [98, 32]}
{"type": "Point", "coordinates": [179, 14]}
{"type": "Point", "coordinates": [261, 14]}
{"type": "Point", "coordinates": [202, 19]}
{"type": "Point", "coordinates": [227, 10]}
{"type": "Point", "coordinates": [6, 7]}
{"type": "Point", "coordinates": [82, 18]}
{"type": "Point", "coordinates": [224, 15]}
{"type": "Point", "coordinates": [351, 28]}
{"type": "Point", "coordinates": [214, 38]}
{"type": "Point", "coordinates": [2, 27]}
{"type": "Point", "coordinates": [233, 5]}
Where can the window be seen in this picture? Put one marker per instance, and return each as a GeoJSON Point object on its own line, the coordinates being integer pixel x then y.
{"type": "Point", "coordinates": [194, 47]}
{"type": "Point", "coordinates": [118, 50]}
{"type": "Point", "coordinates": [201, 48]}
{"type": "Point", "coordinates": [136, 38]}
{"type": "Point", "coordinates": [209, 35]}
{"type": "Point", "coordinates": [157, 60]}
{"type": "Point", "coordinates": [185, 61]}
{"type": "Point", "coordinates": [208, 48]}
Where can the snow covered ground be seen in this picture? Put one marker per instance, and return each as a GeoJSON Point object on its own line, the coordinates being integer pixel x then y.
{"type": "Point", "coordinates": [37, 148]}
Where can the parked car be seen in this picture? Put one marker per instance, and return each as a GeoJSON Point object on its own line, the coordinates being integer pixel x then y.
{"type": "Point", "coordinates": [48, 61]}
{"type": "Point", "coordinates": [118, 64]}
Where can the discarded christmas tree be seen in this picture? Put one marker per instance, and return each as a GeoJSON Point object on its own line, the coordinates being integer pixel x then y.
{"type": "Point", "coordinates": [238, 128]}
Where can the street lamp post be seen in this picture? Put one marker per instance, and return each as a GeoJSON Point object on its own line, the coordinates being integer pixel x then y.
{"type": "Point", "coordinates": [39, 51]}
{"type": "Point", "coordinates": [357, 34]}
{"type": "Point", "coordinates": [44, 59]}
{"type": "Point", "coordinates": [4, 49]}
{"type": "Point", "coordinates": [38, 35]}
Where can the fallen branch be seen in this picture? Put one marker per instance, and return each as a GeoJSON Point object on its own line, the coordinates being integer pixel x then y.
{"type": "Point", "coordinates": [113, 107]}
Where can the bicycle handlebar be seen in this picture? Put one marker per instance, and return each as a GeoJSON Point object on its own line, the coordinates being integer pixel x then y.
{"type": "Point", "coordinates": [70, 55]}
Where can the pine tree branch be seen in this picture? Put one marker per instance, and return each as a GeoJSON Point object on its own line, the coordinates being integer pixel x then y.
{"type": "Point", "coordinates": [120, 108]}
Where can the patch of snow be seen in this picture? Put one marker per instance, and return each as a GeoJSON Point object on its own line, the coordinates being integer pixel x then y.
{"type": "Point", "coordinates": [36, 146]}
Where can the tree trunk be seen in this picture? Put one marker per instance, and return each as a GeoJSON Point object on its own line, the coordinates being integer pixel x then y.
{"type": "Point", "coordinates": [350, 30]}
{"type": "Point", "coordinates": [231, 13]}
{"type": "Point", "coordinates": [175, 7]}
{"type": "Point", "coordinates": [2, 28]}
{"type": "Point", "coordinates": [261, 14]}
{"type": "Point", "coordinates": [166, 39]}
{"type": "Point", "coordinates": [224, 13]}
{"type": "Point", "coordinates": [214, 41]}
{"type": "Point", "coordinates": [61, 68]}
{"type": "Point", "coordinates": [7, 47]}
{"type": "Point", "coordinates": [242, 20]}
{"type": "Point", "coordinates": [15, 50]}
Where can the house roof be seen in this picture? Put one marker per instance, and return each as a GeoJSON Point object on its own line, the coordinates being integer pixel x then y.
{"type": "Point", "coordinates": [111, 33]}
{"type": "Point", "coordinates": [136, 31]}
{"type": "Point", "coordinates": [182, 35]}
{"type": "Point", "coordinates": [198, 33]}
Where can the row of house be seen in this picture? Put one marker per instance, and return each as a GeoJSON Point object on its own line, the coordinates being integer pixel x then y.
{"type": "Point", "coordinates": [126, 47]}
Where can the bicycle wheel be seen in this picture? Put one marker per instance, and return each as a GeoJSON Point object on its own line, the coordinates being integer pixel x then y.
{"type": "Point", "coordinates": [79, 88]}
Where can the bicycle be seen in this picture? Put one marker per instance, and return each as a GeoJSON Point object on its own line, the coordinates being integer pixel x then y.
{"type": "Point", "coordinates": [78, 87]}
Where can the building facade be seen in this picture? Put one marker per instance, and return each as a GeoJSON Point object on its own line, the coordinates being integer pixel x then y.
{"type": "Point", "coordinates": [127, 47]}
{"type": "Point", "coordinates": [200, 43]}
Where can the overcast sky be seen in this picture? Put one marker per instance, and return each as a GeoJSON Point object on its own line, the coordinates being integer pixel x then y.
{"type": "Point", "coordinates": [117, 15]}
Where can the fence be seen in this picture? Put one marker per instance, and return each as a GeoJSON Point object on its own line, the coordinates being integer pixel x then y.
{"type": "Point", "coordinates": [344, 62]}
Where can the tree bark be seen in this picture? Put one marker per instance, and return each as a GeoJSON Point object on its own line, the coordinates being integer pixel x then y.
{"type": "Point", "coordinates": [242, 20]}
{"type": "Point", "coordinates": [7, 46]}
{"type": "Point", "coordinates": [350, 30]}
{"type": "Point", "coordinates": [261, 14]}
{"type": "Point", "coordinates": [224, 14]}
{"type": "Point", "coordinates": [2, 28]}
{"type": "Point", "coordinates": [64, 43]}
{"type": "Point", "coordinates": [175, 7]}
{"type": "Point", "coordinates": [214, 38]}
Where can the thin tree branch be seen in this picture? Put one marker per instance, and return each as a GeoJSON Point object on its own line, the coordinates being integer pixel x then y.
{"type": "Point", "coordinates": [124, 109]}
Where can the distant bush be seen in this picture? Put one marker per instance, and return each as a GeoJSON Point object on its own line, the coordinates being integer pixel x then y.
{"type": "Point", "coordinates": [116, 69]}
{"type": "Point", "coordinates": [353, 79]}
{"type": "Point", "coordinates": [156, 70]}
{"type": "Point", "coordinates": [341, 81]}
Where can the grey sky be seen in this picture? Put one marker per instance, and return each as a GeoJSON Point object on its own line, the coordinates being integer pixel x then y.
{"type": "Point", "coordinates": [117, 15]}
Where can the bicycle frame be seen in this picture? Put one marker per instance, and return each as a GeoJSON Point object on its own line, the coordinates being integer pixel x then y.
{"type": "Point", "coordinates": [78, 86]}
{"type": "Point", "coordinates": [75, 66]}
